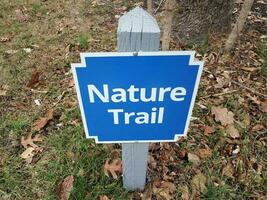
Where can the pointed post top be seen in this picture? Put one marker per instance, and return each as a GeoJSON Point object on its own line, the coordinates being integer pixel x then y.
{"type": "Point", "coordinates": [138, 19]}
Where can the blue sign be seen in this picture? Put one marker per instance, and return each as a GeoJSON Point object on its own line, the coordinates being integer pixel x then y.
{"type": "Point", "coordinates": [144, 97]}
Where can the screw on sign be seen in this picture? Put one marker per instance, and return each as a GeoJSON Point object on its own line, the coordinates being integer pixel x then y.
{"type": "Point", "coordinates": [138, 95]}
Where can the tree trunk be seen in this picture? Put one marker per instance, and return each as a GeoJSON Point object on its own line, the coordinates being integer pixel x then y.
{"type": "Point", "coordinates": [196, 18]}
{"type": "Point", "coordinates": [239, 24]}
{"type": "Point", "coordinates": [167, 24]}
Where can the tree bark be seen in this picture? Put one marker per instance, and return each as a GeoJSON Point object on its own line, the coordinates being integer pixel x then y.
{"type": "Point", "coordinates": [196, 18]}
{"type": "Point", "coordinates": [167, 25]}
{"type": "Point", "coordinates": [150, 6]}
{"type": "Point", "coordinates": [239, 24]}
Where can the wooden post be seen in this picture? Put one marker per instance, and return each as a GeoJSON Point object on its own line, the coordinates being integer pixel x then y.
{"type": "Point", "coordinates": [137, 31]}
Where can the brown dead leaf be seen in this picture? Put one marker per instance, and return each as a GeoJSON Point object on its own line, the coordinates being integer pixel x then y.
{"type": "Point", "coordinates": [182, 153]}
{"type": "Point", "coordinates": [232, 131]}
{"type": "Point", "coordinates": [25, 142]}
{"type": "Point", "coordinates": [185, 192]}
{"type": "Point", "coordinates": [3, 92]}
{"type": "Point", "coordinates": [208, 130]}
{"type": "Point", "coordinates": [198, 185]}
{"type": "Point", "coordinates": [20, 16]}
{"type": "Point", "coordinates": [223, 115]}
{"type": "Point", "coordinates": [193, 158]}
{"type": "Point", "coordinates": [164, 189]}
{"type": "Point", "coordinates": [204, 153]}
{"type": "Point", "coordinates": [71, 83]}
{"type": "Point", "coordinates": [228, 170]}
{"type": "Point", "coordinates": [263, 106]}
{"type": "Point", "coordinates": [103, 197]}
{"type": "Point", "coordinates": [113, 168]}
{"type": "Point", "coordinates": [28, 154]}
{"type": "Point", "coordinates": [4, 39]}
{"type": "Point", "coordinates": [65, 188]}
{"type": "Point", "coordinates": [257, 127]}
{"type": "Point", "coordinates": [250, 69]}
{"type": "Point", "coordinates": [147, 194]}
{"type": "Point", "coordinates": [35, 77]}
{"type": "Point", "coordinates": [41, 123]}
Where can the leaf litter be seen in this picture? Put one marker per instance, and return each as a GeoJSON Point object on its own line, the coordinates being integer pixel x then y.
{"type": "Point", "coordinates": [31, 148]}
{"type": "Point", "coordinates": [168, 159]}
{"type": "Point", "coordinates": [65, 188]}
{"type": "Point", "coordinates": [29, 141]}
{"type": "Point", "coordinates": [42, 122]}
{"type": "Point", "coordinates": [222, 115]}
{"type": "Point", "coordinates": [113, 167]}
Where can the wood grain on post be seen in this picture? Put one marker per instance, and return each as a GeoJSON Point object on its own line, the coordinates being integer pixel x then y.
{"type": "Point", "coordinates": [137, 31]}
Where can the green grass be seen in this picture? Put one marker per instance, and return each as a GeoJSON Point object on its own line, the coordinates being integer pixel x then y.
{"type": "Point", "coordinates": [66, 151]}
{"type": "Point", "coordinates": [83, 41]}
{"type": "Point", "coordinates": [41, 180]}
{"type": "Point", "coordinates": [262, 52]}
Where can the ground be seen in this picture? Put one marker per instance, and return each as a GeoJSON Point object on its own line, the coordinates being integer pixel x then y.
{"type": "Point", "coordinates": [222, 157]}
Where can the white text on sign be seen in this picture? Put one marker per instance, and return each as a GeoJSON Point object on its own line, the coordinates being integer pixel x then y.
{"type": "Point", "coordinates": [134, 94]}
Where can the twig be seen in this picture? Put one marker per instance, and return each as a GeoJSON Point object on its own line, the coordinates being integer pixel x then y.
{"type": "Point", "coordinates": [161, 1]}
{"type": "Point", "coordinates": [249, 89]}
{"type": "Point", "coordinates": [39, 91]}
{"type": "Point", "coordinates": [220, 94]}
{"type": "Point", "coordinates": [59, 98]}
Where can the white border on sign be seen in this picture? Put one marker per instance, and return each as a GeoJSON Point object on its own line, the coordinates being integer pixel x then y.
{"type": "Point", "coordinates": [192, 61]}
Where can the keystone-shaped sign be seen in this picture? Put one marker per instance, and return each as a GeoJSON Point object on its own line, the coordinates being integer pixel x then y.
{"type": "Point", "coordinates": [136, 97]}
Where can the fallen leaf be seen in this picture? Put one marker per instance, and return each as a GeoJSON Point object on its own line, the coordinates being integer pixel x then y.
{"type": "Point", "coordinates": [253, 98]}
{"type": "Point", "coordinates": [113, 168]}
{"type": "Point", "coordinates": [263, 106]}
{"type": "Point", "coordinates": [223, 115]}
{"type": "Point", "coordinates": [208, 130]}
{"type": "Point", "coordinates": [35, 77]}
{"type": "Point", "coordinates": [220, 82]}
{"type": "Point", "coordinates": [4, 39]}
{"type": "Point", "coordinates": [164, 189]}
{"type": "Point", "coordinates": [228, 170]}
{"type": "Point", "coordinates": [71, 83]}
{"type": "Point", "coordinates": [41, 123]}
{"type": "Point", "coordinates": [185, 192]}
{"type": "Point", "coordinates": [20, 16]}
{"type": "Point", "coordinates": [204, 153]}
{"type": "Point", "coordinates": [250, 69]}
{"type": "Point", "coordinates": [257, 127]}
{"type": "Point", "coordinates": [65, 188]}
{"type": "Point", "coordinates": [27, 50]}
{"type": "Point", "coordinates": [37, 102]}
{"type": "Point", "coordinates": [193, 158]}
{"type": "Point", "coordinates": [232, 131]}
{"type": "Point", "coordinates": [103, 197]}
{"type": "Point", "coordinates": [25, 142]}
{"type": "Point", "coordinates": [147, 194]}
{"type": "Point", "coordinates": [3, 92]}
{"type": "Point", "coordinates": [198, 185]}
{"type": "Point", "coordinates": [182, 153]}
{"type": "Point", "coordinates": [11, 51]}
{"type": "Point", "coordinates": [236, 150]}
{"type": "Point", "coordinates": [28, 154]}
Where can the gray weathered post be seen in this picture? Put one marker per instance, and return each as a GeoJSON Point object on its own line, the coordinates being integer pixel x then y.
{"type": "Point", "coordinates": [137, 31]}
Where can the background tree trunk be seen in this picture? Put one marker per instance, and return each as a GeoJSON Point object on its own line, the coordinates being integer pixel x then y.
{"type": "Point", "coordinates": [196, 18]}
{"type": "Point", "coordinates": [239, 24]}
{"type": "Point", "coordinates": [169, 9]}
